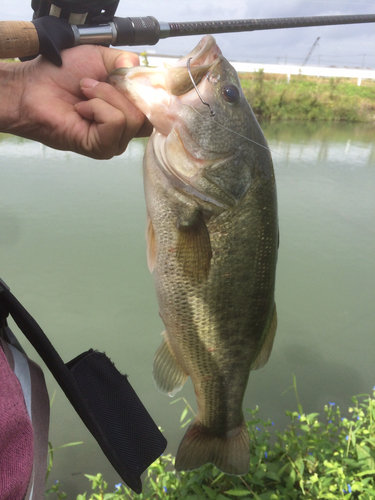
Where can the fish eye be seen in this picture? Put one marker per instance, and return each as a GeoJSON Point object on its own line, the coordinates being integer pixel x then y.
{"type": "Point", "coordinates": [231, 93]}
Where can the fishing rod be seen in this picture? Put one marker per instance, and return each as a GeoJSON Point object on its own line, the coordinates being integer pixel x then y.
{"type": "Point", "coordinates": [68, 23]}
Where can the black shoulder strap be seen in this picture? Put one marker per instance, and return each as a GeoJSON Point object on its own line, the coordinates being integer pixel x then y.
{"type": "Point", "coordinates": [102, 397]}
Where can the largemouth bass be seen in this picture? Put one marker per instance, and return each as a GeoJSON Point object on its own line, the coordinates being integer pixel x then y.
{"type": "Point", "coordinates": [212, 240]}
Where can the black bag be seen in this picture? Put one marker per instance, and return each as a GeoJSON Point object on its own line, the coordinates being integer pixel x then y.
{"type": "Point", "coordinates": [102, 397]}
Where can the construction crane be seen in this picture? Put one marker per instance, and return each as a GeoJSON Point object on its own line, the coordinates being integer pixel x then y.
{"type": "Point", "coordinates": [311, 51]}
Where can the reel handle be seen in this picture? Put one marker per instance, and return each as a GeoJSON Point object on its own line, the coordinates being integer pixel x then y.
{"type": "Point", "coordinates": [48, 35]}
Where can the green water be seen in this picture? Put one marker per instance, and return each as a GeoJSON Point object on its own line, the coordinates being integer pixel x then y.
{"type": "Point", "coordinates": [72, 249]}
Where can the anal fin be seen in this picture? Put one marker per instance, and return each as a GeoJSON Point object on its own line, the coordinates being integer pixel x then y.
{"type": "Point", "coordinates": [168, 375]}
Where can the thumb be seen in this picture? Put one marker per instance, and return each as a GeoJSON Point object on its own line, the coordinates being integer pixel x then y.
{"type": "Point", "coordinates": [115, 58]}
{"type": "Point", "coordinates": [124, 61]}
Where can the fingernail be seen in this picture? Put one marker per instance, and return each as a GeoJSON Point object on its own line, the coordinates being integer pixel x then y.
{"type": "Point", "coordinates": [123, 62]}
{"type": "Point", "coordinates": [88, 83]}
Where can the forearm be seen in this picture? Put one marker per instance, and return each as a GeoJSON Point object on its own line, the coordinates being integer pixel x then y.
{"type": "Point", "coordinates": [11, 92]}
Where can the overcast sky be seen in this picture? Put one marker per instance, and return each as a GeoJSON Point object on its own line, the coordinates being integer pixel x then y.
{"type": "Point", "coordinates": [347, 45]}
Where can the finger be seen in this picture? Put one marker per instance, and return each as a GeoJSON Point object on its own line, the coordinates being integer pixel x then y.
{"type": "Point", "coordinates": [93, 89]}
{"type": "Point", "coordinates": [108, 131]}
{"type": "Point", "coordinates": [119, 101]}
{"type": "Point", "coordinates": [102, 135]}
{"type": "Point", "coordinates": [124, 61]}
{"type": "Point", "coordinates": [115, 58]}
{"type": "Point", "coordinates": [146, 129]}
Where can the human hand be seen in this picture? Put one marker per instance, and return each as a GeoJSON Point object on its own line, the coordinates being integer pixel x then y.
{"type": "Point", "coordinates": [72, 108]}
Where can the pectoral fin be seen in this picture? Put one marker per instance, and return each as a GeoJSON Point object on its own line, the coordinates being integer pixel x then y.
{"type": "Point", "coordinates": [265, 352]}
{"type": "Point", "coordinates": [151, 246]}
{"type": "Point", "coordinates": [194, 246]}
{"type": "Point", "coordinates": [168, 375]}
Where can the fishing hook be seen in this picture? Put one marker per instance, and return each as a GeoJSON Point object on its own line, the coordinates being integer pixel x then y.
{"type": "Point", "coordinates": [196, 88]}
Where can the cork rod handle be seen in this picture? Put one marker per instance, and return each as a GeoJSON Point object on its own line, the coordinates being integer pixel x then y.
{"type": "Point", "coordinates": [18, 39]}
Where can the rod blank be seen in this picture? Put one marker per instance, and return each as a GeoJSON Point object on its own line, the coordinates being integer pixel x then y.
{"type": "Point", "coordinates": [49, 35]}
{"type": "Point", "coordinates": [212, 27]}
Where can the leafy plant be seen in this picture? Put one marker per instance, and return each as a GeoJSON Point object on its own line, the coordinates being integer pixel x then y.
{"type": "Point", "coordinates": [332, 457]}
{"type": "Point", "coordinates": [272, 97]}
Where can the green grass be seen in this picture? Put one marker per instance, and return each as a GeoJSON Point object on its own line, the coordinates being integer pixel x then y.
{"type": "Point", "coordinates": [326, 456]}
{"type": "Point", "coordinates": [272, 97]}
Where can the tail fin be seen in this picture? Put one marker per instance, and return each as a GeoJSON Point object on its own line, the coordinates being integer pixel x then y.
{"type": "Point", "coordinates": [230, 454]}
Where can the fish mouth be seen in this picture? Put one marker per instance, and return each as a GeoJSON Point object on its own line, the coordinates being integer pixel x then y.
{"type": "Point", "coordinates": [205, 53]}
{"type": "Point", "coordinates": [162, 94]}
{"type": "Point", "coordinates": [152, 90]}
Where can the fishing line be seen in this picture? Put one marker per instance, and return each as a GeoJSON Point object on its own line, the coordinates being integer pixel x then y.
{"type": "Point", "coordinates": [212, 115]}
{"type": "Point", "coordinates": [196, 88]}
{"type": "Point", "coordinates": [240, 135]}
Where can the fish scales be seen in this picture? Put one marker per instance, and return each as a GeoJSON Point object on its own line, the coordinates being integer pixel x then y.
{"type": "Point", "coordinates": [212, 237]}
{"type": "Point", "coordinates": [203, 315]}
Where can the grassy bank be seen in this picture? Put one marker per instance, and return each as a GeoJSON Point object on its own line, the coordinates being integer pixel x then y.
{"type": "Point", "coordinates": [272, 97]}
{"type": "Point", "coordinates": [328, 456]}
